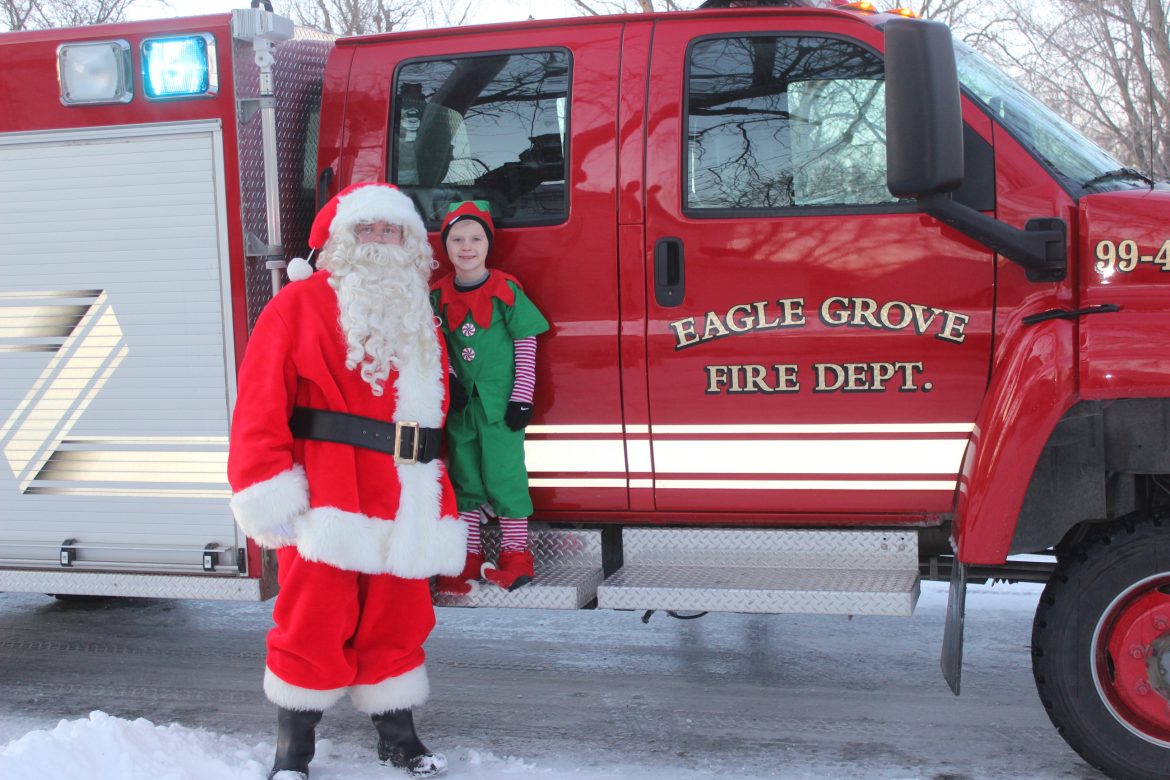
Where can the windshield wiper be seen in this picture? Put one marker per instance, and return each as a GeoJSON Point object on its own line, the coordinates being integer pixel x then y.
{"type": "Point", "coordinates": [1120, 173]}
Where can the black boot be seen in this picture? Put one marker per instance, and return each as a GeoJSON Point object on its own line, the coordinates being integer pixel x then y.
{"type": "Point", "coordinates": [399, 745]}
{"type": "Point", "coordinates": [295, 740]}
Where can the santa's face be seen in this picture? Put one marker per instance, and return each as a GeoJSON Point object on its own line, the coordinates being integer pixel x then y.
{"type": "Point", "coordinates": [382, 295]}
{"type": "Point", "coordinates": [380, 232]}
{"type": "Point", "coordinates": [467, 246]}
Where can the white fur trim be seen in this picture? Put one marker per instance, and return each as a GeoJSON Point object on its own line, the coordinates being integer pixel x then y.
{"type": "Point", "coordinates": [377, 202]}
{"type": "Point", "coordinates": [418, 388]}
{"type": "Point", "coordinates": [299, 269]}
{"type": "Point", "coordinates": [419, 530]}
{"type": "Point", "coordinates": [414, 548]}
{"type": "Point", "coordinates": [294, 697]}
{"type": "Point", "coordinates": [394, 693]}
{"type": "Point", "coordinates": [266, 510]}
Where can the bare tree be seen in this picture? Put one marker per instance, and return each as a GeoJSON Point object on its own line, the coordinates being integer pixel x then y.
{"type": "Point", "coordinates": [40, 14]}
{"type": "Point", "coordinates": [601, 7]}
{"type": "Point", "coordinates": [18, 14]}
{"type": "Point", "coordinates": [359, 17]}
{"type": "Point", "coordinates": [352, 17]}
{"type": "Point", "coordinates": [1104, 65]}
{"type": "Point", "coordinates": [444, 13]}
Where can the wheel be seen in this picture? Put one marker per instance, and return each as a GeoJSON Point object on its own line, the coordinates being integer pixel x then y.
{"type": "Point", "coordinates": [1101, 648]}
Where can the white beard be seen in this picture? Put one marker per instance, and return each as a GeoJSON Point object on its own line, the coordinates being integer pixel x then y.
{"type": "Point", "coordinates": [385, 310]}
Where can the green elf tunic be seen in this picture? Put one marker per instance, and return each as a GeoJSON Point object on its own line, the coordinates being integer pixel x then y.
{"type": "Point", "coordinates": [487, 457]}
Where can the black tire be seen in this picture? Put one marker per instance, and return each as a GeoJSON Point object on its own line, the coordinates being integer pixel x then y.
{"type": "Point", "coordinates": [1111, 593]}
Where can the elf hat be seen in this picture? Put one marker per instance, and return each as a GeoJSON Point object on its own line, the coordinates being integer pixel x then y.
{"type": "Point", "coordinates": [478, 210]}
{"type": "Point", "coordinates": [365, 201]}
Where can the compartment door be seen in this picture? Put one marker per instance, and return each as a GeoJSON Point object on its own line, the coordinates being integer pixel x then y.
{"type": "Point", "coordinates": [114, 404]}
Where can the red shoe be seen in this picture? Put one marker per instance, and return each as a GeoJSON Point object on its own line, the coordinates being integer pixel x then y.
{"type": "Point", "coordinates": [514, 571]}
{"type": "Point", "coordinates": [461, 585]}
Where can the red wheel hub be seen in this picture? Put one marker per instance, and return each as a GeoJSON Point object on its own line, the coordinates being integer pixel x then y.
{"type": "Point", "coordinates": [1131, 658]}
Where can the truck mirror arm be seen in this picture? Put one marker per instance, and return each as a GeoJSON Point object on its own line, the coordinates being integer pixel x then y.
{"type": "Point", "coordinates": [1041, 248]}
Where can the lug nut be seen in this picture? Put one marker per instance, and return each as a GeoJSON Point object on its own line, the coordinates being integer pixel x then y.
{"type": "Point", "coordinates": [1143, 689]}
{"type": "Point", "coordinates": [1137, 651]}
{"type": "Point", "coordinates": [1160, 623]}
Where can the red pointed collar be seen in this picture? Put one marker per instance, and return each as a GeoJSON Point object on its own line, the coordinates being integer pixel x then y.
{"type": "Point", "coordinates": [477, 301]}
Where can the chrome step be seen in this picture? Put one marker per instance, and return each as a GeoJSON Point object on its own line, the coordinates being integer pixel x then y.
{"type": "Point", "coordinates": [770, 571]}
{"type": "Point", "coordinates": [568, 571]}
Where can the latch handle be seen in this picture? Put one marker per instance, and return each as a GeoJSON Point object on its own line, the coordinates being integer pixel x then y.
{"type": "Point", "coordinates": [669, 272]}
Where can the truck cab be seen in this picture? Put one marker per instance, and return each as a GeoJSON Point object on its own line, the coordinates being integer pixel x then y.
{"type": "Point", "coordinates": [835, 307]}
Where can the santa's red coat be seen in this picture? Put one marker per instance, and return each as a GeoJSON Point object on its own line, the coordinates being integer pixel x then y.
{"type": "Point", "coordinates": [349, 507]}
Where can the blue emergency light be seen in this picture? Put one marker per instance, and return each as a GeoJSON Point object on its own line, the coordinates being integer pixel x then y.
{"type": "Point", "coordinates": [179, 67]}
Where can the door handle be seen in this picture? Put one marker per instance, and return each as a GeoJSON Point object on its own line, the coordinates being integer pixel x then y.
{"type": "Point", "coordinates": [324, 184]}
{"type": "Point", "coordinates": [669, 272]}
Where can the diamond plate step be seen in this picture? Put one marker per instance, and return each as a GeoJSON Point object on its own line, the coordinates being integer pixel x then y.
{"type": "Point", "coordinates": [568, 571]}
{"type": "Point", "coordinates": [770, 571]}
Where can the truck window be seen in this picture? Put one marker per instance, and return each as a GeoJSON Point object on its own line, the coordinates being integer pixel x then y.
{"type": "Point", "coordinates": [490, 127]}
{"type": "Point", "coordinates": [777, 122]}
{"type": "Point", "coordinates": [1055, 142]}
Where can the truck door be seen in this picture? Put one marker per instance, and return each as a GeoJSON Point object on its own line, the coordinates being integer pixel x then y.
{"type": "Point", "coordinates": [522, 118]}
{"type": "Point", "coordinates": [814, 346]}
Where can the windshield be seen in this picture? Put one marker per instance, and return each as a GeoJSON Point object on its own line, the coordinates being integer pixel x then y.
{"type": "Point", "coordinates": [1053, 140]}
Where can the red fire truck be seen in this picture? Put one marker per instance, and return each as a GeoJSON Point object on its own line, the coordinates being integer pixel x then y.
{"type": "Point", "coordinates": [825, 323]}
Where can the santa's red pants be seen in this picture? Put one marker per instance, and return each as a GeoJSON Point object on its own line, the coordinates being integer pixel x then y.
{"type": "Point", "coordinates": [336, 628]}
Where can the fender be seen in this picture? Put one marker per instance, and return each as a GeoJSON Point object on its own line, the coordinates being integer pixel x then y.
{"type": "Point", "coordinates": [1029, 392]}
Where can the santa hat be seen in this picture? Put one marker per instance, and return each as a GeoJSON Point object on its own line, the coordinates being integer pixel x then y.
{"type": "Point", "coordinates": [365, 201]}
{"type": "Point", "coordinates": [478, 210]}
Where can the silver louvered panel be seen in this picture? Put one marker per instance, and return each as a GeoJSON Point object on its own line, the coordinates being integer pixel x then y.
{"type": "Point", "coordinates": [136, 585]}
{"type": "Point", "coordinates": [568, 571]}
{"type": "Point", "coordinates": [114, 404]}
{"type": "Point", "coordinates": [766, 570]}
{"type": "Point", "coordinates": [298, 73]}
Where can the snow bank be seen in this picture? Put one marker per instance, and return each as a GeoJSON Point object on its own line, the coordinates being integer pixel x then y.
{"type": "Point", "coordinates": [108, 748]}
{"type": "Point", "coordinates": [104, 747]}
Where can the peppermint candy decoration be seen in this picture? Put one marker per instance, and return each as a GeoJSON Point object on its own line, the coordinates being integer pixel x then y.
{"type": "Point", "coordinates": [468, 329]}
{"type": "Point", "coordinates": [468, 354]}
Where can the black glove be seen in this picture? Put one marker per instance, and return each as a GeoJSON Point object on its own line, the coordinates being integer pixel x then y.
{"type": "Point", "coordinates": [518, 415]}
{"type": "Point", "coordinates": [457, 394]}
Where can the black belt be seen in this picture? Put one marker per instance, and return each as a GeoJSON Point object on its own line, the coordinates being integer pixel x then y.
{"type": "Point", "coordinates": [406, 441]}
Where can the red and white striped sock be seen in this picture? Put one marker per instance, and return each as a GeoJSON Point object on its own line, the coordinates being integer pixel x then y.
{"type": "Point", "coordinates": [472, 520]}
{"type": "Point", "coordinates": [514, 531]}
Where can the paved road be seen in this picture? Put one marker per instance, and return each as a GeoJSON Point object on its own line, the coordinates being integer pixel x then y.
{"type": "Point", "coordinates": [728, 695]}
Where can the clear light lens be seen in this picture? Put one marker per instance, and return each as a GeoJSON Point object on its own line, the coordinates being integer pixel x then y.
{"type": "Point", "coordinates": [179, 67]}
{"type": "Point", "coordinates": [94, 72]}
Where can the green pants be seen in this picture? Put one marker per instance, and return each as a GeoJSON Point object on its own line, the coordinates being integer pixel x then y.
{"type": "Point", "coordinates": [487, 463]}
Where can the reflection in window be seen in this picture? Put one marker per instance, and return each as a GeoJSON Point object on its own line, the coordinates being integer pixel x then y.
{"type": "Point", "coordinates": [483, 128]}
{"type": "Point", "coordinates": [783, 122]}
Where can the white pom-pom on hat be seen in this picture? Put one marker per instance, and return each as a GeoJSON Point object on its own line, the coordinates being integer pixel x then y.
{"type": "Point", "coordinates": [299, 269]}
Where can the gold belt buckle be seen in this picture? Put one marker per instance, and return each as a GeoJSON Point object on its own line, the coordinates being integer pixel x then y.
{"type": "Point", "coordinates": [398, 426]}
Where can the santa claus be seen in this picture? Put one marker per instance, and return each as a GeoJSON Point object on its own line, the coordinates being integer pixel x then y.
{"type": "Point", "coordinates": [334, 464]}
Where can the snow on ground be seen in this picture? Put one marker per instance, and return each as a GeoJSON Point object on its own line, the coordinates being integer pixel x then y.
{"type": "Point", "coordinates": [104, 747]}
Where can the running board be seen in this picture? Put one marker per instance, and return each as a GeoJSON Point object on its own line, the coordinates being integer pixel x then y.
{"type": "Point", "coordinates": [568, 571]}
{"type": "Point", "coordinates": [768, 571]}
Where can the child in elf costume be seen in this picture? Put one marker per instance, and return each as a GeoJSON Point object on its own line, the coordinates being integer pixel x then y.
{"type": "Point", "coordinates": [491, 328]}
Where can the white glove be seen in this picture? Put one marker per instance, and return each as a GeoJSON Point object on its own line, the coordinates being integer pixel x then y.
{"type": "Point", "coordinates": [282, 535]}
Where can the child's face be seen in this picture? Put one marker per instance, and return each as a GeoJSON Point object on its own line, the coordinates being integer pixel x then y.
{"type": "Point", "coordinates": [467, 246]}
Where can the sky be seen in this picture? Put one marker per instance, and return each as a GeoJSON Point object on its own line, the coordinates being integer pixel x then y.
{"type": "Point", "coordinates": [486, 11]}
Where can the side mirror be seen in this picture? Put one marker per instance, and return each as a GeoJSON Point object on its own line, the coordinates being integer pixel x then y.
{"type": "Point", "coordinates": [924, 149]}
{"type": "Point", "coordinates": [924, 117]}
